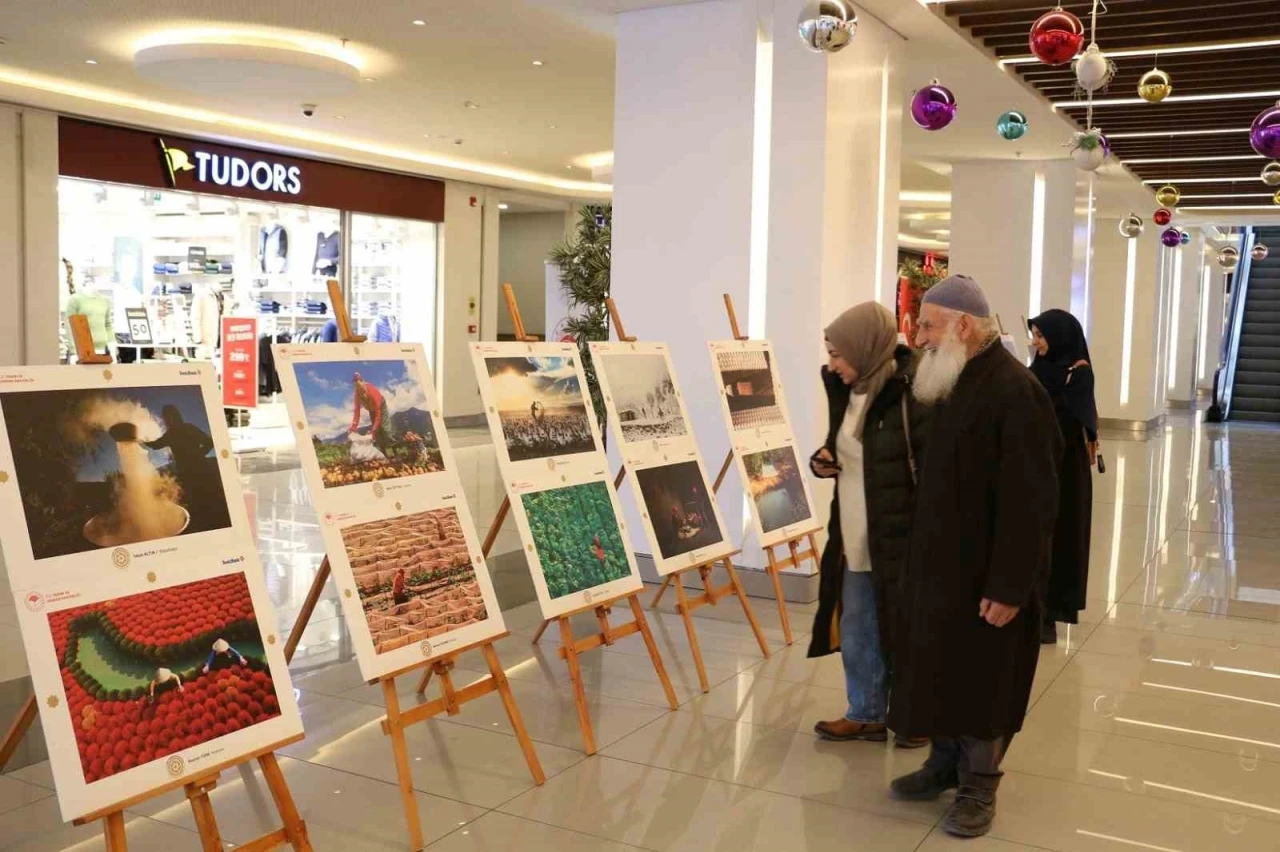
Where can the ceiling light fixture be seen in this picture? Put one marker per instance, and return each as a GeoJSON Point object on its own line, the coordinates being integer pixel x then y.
{"type": "Point", "coordinates": [371, 79]}
{"type": "Point", "coordinates": [538, 62]}
{"type": "Point", "coordinates": [1163, 51]}
{"type": "Point", "coordinates": [471, 105]}
{"type": "Point", "coordinates": [1252, 179]}
{"type": "Point", "coordinates": [301, 136]}
{"type": "Point", "coordinates": [332, 48]}
{"type": "Point", "coordinates": [1196, 207]}
{"type": "Point", "coordinates": [1226, 96]}
{"type": "Point", "coordinates": [924, 197]}
{"type": "Point", "coordinates": [504, 206]}
{"type": "Point", "coordinates": [339, 117]}
{"type": "Point", "coordinates": [1227, 195]}
{"type": "Point", "coordinates": [1145, 134]}
{"type": "Point", "coordinates": [91, 62]}
{"type": "Point", "coordinates": [1209, 159]}
{"type": "Point", "coordinates": [419, 23]}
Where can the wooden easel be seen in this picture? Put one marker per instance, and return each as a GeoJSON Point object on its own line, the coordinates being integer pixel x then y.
{"type": "Point", "coordinates": [711, 594]}
{"type": "Point", "coordinates": [796, 557]}
{"type": "Point", "coordinates": [451, 700]}
{"type": "Point", "coordinates": [345, 335]}
{"type": "Point", "coordinates": [294, 829]}
{"type": "Point", "coordinates": [571, 648]}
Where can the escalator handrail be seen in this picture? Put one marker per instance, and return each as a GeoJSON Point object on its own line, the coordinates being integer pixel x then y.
{"type": "Point", "coordinates": [1235, 323]}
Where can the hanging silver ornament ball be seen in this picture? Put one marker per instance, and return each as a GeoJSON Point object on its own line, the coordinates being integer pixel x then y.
{"type": "Point", "coordinates": [1131, 226]}
{"type": "Point", "coordinates": [1228, 257]}
{"type": "Point", "coordinates": [1093, 69]}
{"type": "Point", "coordinates": [827, 26]}
{"type": "Point", "coordinates": [1271, 174]}
{"type": "Point", "coordinates": [1259, 252]}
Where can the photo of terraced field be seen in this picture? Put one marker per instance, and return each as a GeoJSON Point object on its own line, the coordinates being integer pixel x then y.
{"type": "Point", "coordinates": [414, 577]}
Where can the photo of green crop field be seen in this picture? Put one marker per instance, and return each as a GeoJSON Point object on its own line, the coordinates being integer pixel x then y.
{"type": "Point", "coordinates": [577, 538]}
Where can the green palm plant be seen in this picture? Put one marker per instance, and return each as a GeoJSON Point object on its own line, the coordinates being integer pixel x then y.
{"type": "Point", "coordinates": [585, 263]}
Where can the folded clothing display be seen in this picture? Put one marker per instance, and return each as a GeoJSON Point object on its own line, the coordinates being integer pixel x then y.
{"type": "Point", "coordinates": [268, 306]}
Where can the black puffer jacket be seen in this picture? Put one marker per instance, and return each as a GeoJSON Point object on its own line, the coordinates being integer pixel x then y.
{"type": "Point", "coordinates": [889, 483]}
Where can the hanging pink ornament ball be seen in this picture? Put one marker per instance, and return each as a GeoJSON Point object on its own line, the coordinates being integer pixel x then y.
{"type": "Point", "coordinates": [933, 107]}
{"type": "Point", "coordinates": [1056, 37]}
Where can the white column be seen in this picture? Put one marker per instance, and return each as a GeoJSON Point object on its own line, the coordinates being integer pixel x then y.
{"type": "Point", "coordinates": [11, 279]}
{"type": "Point", "coordinates": [685, 104]}
{"type": "Point", "coordinates": [1184, 304]}
{"type": "Point", "coordinates": [1012, 230]}
{"type": "Point", "coordinates": [1213, 303]}
{"type": "Point", "coordinates": [1125, 310]}
{"type": "Point", "coordinates": [460, 288]}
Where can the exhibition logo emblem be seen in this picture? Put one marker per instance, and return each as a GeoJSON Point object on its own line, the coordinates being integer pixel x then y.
{"type": "Point", "coordinates": [586, 596]}
{"type": "Point", "coordinates": [426, 648]}
{"type": "Point", "coordinates": [378, 490]}
{"type": "Point", "coordinates": [120, 557]}
{"type": "Point", "coordinates": [176, 765]}
{"type": "Point", "coordinates": [34, 601]}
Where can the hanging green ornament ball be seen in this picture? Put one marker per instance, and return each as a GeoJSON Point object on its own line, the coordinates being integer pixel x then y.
{"type": "Point", "coordinates": [1012, 125]}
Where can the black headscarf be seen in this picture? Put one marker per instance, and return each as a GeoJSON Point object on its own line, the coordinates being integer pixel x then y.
{"type": "Point", "coordinates": [1067, 347]}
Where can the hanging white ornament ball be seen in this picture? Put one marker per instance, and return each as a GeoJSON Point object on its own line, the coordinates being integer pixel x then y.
{"type": "Point", "coordinates": [1093, 69]}
{"type": "Point", "coordinates": [827, 26]}
{"type": "Point", "coordinates": [1271, 174]}
{"type": "Point", "coordinates": [1131, 226]}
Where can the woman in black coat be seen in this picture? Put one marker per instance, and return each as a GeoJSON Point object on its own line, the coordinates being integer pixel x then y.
{"type": "Point", "coordinates": [1062, 366]}
{"type": "Point", "coordinates": [875, 437]}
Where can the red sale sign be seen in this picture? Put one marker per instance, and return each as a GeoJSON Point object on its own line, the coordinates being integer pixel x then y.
{"type": "Point", "coordinates": [240, 362]}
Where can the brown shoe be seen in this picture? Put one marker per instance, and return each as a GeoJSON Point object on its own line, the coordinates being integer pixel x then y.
{"type": "Point", "coordinates": [842, 730]}
{"type": "Point", "coordinates": [910, 742]}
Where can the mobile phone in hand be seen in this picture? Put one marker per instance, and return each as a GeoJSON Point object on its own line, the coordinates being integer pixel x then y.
{"type": "Point", "coordinates": [1102, 465]}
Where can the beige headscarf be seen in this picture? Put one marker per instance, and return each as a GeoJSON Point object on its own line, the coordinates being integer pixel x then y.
{"type": "Point", "coordinates": [866, 338]}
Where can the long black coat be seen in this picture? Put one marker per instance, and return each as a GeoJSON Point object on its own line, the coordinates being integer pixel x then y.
{"type": "Point", "coordinates": [983, 528]}
{"type": "Point", "coordinates": [887, 481]}
{"type": "Point", "coordinates": [1069, 574]}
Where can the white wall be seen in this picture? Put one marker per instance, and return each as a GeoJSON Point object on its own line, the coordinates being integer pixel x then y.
{"type": "Point", "coordinates": [1213, 305]}
{"type": "Point", "coordinates": [1184, 328]}
{"type": "Point", "coordinates": [525, 240]}
{"type": "Point", "coordinates": [29, 267]}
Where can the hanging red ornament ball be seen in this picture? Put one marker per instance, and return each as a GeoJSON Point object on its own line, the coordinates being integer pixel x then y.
{"type": "Point", "coordinates": [1162, 217]}
{"type": "Point", "coordinates": [1056, 37]}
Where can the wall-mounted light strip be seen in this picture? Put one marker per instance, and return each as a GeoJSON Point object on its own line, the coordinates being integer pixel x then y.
{"type": "Point", "coordinates": [1215, 159]}
{"type": "Point", "coordinates": [758, 261]}
{"type": "Point", "coordinates": [1205, 279]}
{"type": "Point", "coordinates": [297, 135]}
{"type": "Point", "coordinates": [1185, 99]}
{"type": "Point", "coordinates": [1088, 258]}
{"type": "Point", "coordinates": [1150, 134]}
{"type": "Point", "coordinates": [1194, 207]}
{"type": "Point", "coordinates": [1037, 245]}
{"type": "Point", "coordinates": [913, 197]}
{"type": "Point", "coordinates": [1175, 311]}
{"type": "Point", "coordinates": [1117, 529]}
{"type": "Point", "coordinates": [1253, 179]}
{"type": "Point", "coordinates": [1163, 51]}
{"type": "Point", "coordinates": [1126, 351]}
{"type": "Point", "coordinates": [920, 242]}
{"type": "Point", "coordinates": [1227, 195]}
{"type": "Point", "coordinates": [881, 282]}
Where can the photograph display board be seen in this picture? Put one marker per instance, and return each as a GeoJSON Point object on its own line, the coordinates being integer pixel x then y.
{"type": "Point", "coordinates": [763, 444]}
{"type": "Point", "coordinates": [400, 539]}
{"type": "Point", "coordinates": [556, 473]}
{"type": "Point", "coordinates": [144, 614]}
{"type": "Point", "coordinates": [651, 424]}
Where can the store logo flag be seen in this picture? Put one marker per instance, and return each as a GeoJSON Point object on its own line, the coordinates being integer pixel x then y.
{"type": "Point", "coordinates": [175, 160]}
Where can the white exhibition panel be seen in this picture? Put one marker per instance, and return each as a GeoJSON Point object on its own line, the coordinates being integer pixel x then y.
{"type": "Point", "coordinates": [125, 536]}
{"type": "Point", "coordinates": [755, 413]}
{"type": "Point", "coordinates": [400, 538]}
{"type": "Point", "coordinates": [555, 473]}
{"type": "Point", "coordinates": [655, 439]}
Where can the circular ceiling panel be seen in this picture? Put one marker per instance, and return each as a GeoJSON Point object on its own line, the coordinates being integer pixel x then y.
{"type": "Point", "coordinates": [247, 71]}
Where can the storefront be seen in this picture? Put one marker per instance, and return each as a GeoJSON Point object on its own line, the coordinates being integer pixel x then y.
{"type": "Point", "coordinates": [161, 237]}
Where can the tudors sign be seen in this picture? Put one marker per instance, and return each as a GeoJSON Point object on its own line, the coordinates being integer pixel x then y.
{"type": "Point", "coordinates": [227, 170]}
{"type": "Point", "coordinates": [108, 153]}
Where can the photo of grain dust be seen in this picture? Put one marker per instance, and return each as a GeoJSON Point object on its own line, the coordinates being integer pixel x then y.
{"type": "Point", "coordinates": [414, 576]}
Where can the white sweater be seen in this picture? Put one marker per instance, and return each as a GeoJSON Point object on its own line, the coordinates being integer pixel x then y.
{"type": "Point", "coordinates": [850, 488]}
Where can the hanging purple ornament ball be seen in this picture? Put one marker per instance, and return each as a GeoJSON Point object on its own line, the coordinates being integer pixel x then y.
{"type": "Point", "coordinates": [1056, 37]}
{"type": "Point", "coordinates": [1162, 217]}
{"type": "Point", "coordinates": [1265, 133]}
{"type": "Point", "coordinates": [1171, 237]}
{"type": "Point", "coordinates": [933, 107]}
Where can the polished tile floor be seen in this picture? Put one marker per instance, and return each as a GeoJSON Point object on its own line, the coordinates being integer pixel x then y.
{"type": "Point", "coordinates": [1155, 724]}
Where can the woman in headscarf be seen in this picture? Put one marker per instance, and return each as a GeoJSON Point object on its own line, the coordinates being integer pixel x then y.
{"type": "Point", "coordinates": [1063, 366]}
{"type": "Point", "coordinates": [875, 440]}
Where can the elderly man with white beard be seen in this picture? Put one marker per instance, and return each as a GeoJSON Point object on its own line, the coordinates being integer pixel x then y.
{"type": "Point", "coordinates": [974, 582]}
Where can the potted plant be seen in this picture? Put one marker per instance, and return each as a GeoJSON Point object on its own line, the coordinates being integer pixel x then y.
{"type": "Point", "coordinates": [1089, 148]}
{"type": "Point", "coordinates": [914, 280]}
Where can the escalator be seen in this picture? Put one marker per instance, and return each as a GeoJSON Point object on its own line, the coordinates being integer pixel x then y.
{"type": "Point", "coordinates": [1255, 389]}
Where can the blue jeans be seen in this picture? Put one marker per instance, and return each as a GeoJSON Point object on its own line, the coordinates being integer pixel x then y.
{"type": "Point", "coordinates": [864, 670]}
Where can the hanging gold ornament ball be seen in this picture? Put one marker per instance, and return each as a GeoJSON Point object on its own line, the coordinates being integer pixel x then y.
{"type": "Point", "coordinates": [1168, 195]}
{"type": "Point", "coordinates": [1271, 174]}
{"type": "Point", "coordinates": [1154, 86]}
{"type": "Point", "coordinates": [1228, 257]}
{"type": "Point", "coordinates": [1276, 197]}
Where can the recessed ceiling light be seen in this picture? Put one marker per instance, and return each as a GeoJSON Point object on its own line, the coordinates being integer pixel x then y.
{"type": "Point", "coordinates": [553, 127]}
{"type": "Point", "coordinates": [504, 206]}
{"type": "Point", "coordinates": [537, 62]}
{"type": "Point", "coordinates": [471, 105]}
{"type": "Point", "coordinates": [371, 79]}
{"type": "Point", "coordinates": [339, 117]}
{"type": "Point", "coordinates": [91, 62]}
{"type": "Point", "coordinates": [419, 23]}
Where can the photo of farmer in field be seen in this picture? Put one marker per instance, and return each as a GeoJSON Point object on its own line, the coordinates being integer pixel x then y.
{"type": "Point", "coordinates": [369, 420]}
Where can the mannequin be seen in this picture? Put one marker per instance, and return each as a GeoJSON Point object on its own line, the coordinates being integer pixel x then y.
{"type": "Point", "coordinates": [205, 316]}
{"type": "Point", "coordinates": [94, 303]}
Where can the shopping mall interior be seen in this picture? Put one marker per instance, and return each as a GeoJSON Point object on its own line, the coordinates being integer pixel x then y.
{"type": "Point", "coordinates": [224, 226]}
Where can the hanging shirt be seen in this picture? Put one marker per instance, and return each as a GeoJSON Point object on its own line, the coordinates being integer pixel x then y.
{"type": "Point", "coordinates": [96, 308]}
{"type": "Point", "coordinates": [850, 489]}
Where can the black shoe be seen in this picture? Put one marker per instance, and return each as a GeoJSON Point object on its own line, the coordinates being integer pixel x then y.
{"type": "Point", "coordinates": [1048, 633]}
{"type": "Point", "coordinates": [974, 808]}
{"type": "Point", "coordinates": [925, 784]}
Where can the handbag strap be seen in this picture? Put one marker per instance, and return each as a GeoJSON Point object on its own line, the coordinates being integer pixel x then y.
{"type": "Point", "coordinates": [906, 430]}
